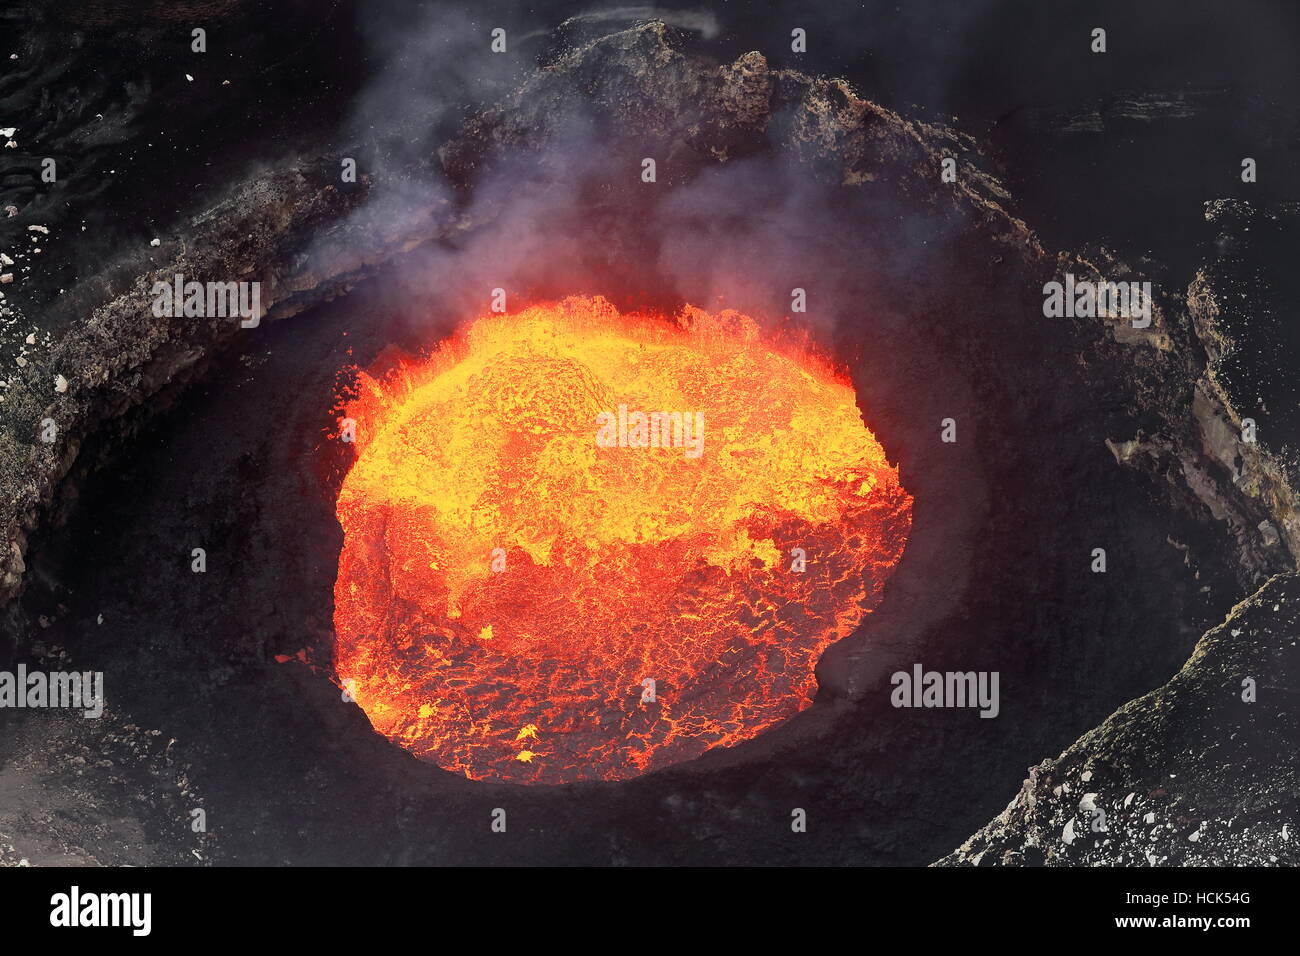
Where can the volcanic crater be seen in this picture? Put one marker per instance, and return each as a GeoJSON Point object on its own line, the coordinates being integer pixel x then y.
{"type": "Point", "coordinates": [925, 294]}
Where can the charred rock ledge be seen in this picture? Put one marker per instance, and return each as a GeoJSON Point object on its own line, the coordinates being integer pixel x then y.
{"type": "Point", "coordinates": [1136, 415]}
{"type": "Point", "coordinates": [118, 356]}
{"type": "Point", "coordinates": [1192, 774]}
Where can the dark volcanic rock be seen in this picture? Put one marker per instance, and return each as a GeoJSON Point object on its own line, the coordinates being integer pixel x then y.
{"type": "Point", "coordinates": [115, 355]}
{"type": "Point", "coordinates": [1191, 774]}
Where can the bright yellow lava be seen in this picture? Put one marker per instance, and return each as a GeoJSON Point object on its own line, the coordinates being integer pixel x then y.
{"type": "Point", "coordinates": [506, 576]}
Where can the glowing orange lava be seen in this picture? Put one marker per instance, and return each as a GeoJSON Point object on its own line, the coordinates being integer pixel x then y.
{"type": "Point", "coordinates": [517, 569]}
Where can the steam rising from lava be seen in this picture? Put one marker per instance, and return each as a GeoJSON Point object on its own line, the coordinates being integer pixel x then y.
{"type": "Point", "coordinates": [508, 585]}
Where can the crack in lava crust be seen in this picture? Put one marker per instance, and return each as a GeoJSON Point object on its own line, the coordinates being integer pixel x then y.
{"type": "Point", "coordinates": [621, 563]}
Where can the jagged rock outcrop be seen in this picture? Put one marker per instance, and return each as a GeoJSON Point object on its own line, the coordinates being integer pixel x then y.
{"type": "Point", "coordinates": [1203, 771]}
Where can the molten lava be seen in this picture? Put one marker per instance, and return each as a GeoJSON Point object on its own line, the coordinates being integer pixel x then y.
{"type": "Point", "coordinates": [523, 596]}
